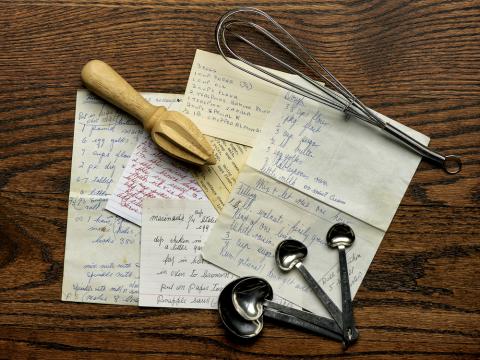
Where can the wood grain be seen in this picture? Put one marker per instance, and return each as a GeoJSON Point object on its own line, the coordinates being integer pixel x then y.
{"type": "Point", "coordinates": [415, 61]}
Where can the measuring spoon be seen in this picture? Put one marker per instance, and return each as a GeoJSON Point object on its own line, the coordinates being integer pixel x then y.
{"type": "Point", "coordinates": [288, 255]}
{"type": "Point", "coordinates": [341, 236]}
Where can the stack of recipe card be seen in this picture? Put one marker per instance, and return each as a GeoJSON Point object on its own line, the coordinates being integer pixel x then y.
{"type": "Point", "coordinates": [309, 168]}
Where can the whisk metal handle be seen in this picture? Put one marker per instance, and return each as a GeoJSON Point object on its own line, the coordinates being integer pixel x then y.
{"type": "Point", "coordinates": [451, 164]}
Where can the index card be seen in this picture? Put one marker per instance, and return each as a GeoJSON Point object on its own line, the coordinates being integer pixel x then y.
{"type": "Point", "coordinates": [226, 102]}
{"type": "Point", "coordinates": [172, 271]}
{"type": "Point", "coordinates": [150, 173]}
{"type": "Point", "coordinates": [217, 180]}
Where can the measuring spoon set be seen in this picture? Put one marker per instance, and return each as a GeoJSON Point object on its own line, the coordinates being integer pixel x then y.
{"type": "Point", "coordinates": [243, 303]}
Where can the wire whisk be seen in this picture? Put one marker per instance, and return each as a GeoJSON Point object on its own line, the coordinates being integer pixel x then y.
{"type": "Point", "coordinates": [238, 25]}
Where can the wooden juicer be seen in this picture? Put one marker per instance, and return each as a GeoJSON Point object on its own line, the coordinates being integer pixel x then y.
{"type": "Point", "coordinates": [172, 131]}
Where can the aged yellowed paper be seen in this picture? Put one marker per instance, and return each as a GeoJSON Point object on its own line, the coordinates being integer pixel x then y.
{"type": "Point", "coordinates": [102, 250]}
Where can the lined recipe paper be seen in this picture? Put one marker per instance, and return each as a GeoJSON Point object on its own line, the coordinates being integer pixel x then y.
{"type": "Point", "coordinates": [102, 250]}
{"type": "Point", "coordinates": [348, 164]}
{"type": "Point", "coordinates": [260, 213]}
{"type": "Point", "coordinates": [217, 180]}
{"type": "Point", "coordinates": [172, 271]}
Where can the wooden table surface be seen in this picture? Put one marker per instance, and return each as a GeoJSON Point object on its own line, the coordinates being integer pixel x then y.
{"type": "Point", "coordinates": [415, 61]}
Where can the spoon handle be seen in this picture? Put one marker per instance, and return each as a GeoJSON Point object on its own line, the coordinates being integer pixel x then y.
{"type": "Point", "coordinates": [305, 315]}
{"type": "Point", "coordinates": [324, 298]}
{"type": "Point", "coordinates": [347, 308]}
{"type": "Point", "coordinates": [292, 320]}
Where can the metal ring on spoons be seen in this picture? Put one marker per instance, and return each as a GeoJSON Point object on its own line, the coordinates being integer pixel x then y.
{"type": "Point", "coordinates": [341, 236]}
{"type": "Point", "coordinates": [251, 298]}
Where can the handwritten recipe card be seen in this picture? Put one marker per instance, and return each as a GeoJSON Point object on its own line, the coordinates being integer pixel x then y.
{"type": "Point", "coordinates": [150, 173]}
{"type": "Point", "coordinates": [345, 163]}
{"type": "Point", "coordinates": [102, 250]}
{"type": "Point", "coordinates": [262, 212]}
{"type": "Point", "coordinates": [226, 102]}
{"type": "Point", "coordinates": [172, 271]}
{"type": "Point", "coordinates": [217, 180]}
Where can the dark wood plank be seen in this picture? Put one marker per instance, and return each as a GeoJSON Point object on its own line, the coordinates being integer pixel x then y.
{"type": "Point", "coordinates": [418, 62]}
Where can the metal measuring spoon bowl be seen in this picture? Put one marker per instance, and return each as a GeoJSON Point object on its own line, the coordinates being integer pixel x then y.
{"type": "Point", "coordinates": [340, 235]}
{"type": "Point", "coordinates": [232, 320]}
{"type": "Point", "coordinates": [249, 295]}
{"type": "Point", "coordinates": [289, 253]}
